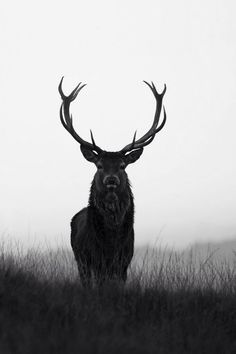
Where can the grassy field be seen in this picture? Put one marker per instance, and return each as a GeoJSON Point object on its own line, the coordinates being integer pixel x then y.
{"type": "Point", "coordinates": [172, 303]}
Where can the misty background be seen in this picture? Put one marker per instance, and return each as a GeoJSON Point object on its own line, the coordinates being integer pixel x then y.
{"type": "Point", "coordinates": [184, 183]}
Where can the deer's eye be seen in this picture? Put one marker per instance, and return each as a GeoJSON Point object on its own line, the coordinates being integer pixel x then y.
{"type": "Point", "coordinates": [122, 166]}
{"type": "Point", "coordinates": [99, 166]}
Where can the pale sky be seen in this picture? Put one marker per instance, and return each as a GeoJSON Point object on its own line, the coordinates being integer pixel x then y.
{"type": "Point", "coordinates": [184, 183]}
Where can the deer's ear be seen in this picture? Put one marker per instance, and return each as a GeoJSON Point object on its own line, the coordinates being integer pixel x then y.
{"type": "Point", "coordinates": [90, 155]}
{"type": "Point", "coordinates": [133, 156]}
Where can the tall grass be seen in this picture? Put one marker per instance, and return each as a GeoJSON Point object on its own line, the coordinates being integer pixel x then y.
{"type": "Point", "coordinates": [172, 303]}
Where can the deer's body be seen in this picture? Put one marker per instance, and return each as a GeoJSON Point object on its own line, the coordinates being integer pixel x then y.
{"type": "Point", "coordinates": [102, 235]}
{"type": "Point", "coordinates": [99, 248]}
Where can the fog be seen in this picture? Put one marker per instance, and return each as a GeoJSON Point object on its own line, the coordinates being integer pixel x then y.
{"type": "Point", "coordinates": [184, 183]}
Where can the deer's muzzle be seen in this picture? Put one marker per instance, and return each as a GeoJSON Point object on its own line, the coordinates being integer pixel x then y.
{"type": "Point", "coordinates": [111, 181]}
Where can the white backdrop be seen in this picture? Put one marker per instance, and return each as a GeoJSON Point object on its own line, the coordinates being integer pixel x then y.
{"type": "Point", "coordinates": [184, 183]}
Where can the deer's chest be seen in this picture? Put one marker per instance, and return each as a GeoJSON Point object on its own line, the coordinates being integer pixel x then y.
{"type": "Point", "coordinates": [109, 242]}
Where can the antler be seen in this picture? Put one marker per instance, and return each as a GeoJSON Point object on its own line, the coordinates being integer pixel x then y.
{"type": "Point", "coordinates": [150, 135]}
{"type": "Point", "coordinates": [66, 117]}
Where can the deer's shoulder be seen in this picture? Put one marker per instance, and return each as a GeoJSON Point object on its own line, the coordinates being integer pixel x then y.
{"type": "Point", "coordinates": [79, 220]}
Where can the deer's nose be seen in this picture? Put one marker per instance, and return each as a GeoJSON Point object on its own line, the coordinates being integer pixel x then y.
{"type": "Point", "coordinates": [111, 181]}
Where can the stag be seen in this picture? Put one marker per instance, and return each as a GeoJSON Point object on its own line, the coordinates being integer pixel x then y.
{"type": "Point", "coordinates": [102, 234]}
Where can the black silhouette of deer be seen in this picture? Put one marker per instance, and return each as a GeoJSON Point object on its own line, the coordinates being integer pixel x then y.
{"type": "Point", "coordinates": [102, 234]}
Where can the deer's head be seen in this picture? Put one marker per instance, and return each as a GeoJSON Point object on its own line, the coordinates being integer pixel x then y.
{"type": "Point", "coordinates": [110, 175]}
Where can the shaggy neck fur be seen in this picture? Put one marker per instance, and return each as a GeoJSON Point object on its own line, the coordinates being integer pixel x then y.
{"type": "Point", "coordinates": [112, 207]}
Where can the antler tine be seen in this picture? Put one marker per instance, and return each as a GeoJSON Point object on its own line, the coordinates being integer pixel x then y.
{"type": "Point", "coordinates": [66, 117]}
{"type": "Point", "coordinates": [149, 136]}
{"type": "Point", "coordinates": [133, 142]}
{"type": "Point", "coordinates": [73, 94]}
{"type": "Point", "coordinates": [93, 141]}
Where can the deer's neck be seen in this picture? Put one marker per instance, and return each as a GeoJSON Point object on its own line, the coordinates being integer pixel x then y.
{"type": "Point", "coordinates": [112, 208]}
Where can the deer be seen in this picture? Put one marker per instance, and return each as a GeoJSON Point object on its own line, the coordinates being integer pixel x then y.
{"type": "Point", "coordinates": [102, 234]}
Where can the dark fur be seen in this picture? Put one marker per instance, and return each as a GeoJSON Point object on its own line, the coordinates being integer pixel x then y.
{"type": "Point", "coordinates": [102, 235]}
